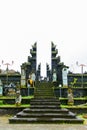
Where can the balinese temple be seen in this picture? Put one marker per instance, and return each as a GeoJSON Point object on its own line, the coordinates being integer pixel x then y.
{"type": "Point", "coordinates": [9, 76]}
{"type": "Point", "coordinates": [57, 67]}
{"type": "Point", "coordinates": [30, 66]}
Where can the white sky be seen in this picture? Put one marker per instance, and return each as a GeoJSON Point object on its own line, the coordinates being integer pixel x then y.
{"type": "Point", "coordinates": [23, 22]}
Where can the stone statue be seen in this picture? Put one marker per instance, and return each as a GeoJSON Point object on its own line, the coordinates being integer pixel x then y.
{"type": "Point", "coordinates": [18, 99]}
{"type": "Point", "coordinates": [33, 78]}
{"type": "Point", "coordinates": [70, 97]}
{"type": "Point", "coordinates": [54, 77]}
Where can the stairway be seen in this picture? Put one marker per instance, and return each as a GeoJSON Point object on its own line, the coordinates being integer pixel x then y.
{"type": "Point", "coordinates": [44, 90]}
{"type": "Point", "coordinates": [45, 108]}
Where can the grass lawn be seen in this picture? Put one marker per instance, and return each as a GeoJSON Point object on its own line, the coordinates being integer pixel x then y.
{"type": "Point", "coordinates": [82, 117]}
{"type": "Point", "coordinates": [14, 106]}
{"type": "Point", "coordinates": [74, 106]}
{"type": "Point", "coordinates": [13, 97]}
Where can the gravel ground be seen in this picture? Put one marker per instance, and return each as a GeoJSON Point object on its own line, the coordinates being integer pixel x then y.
{"type": "Point", "coordinates": [4, 125]}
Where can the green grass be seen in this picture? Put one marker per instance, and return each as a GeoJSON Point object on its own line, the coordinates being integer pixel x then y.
{"type": "Point", "coordinates": [80, 98]}
{"type": "Point", "coordinates": [27, 97]}
{"type": "Point", "coordinates": [14, 106]}
{"type": "Point", "coordinates": [13, 97]}
{"type": "Point", "coordinates": [81, 116]}
{"type": "Point", "coordinates": [1, 102]}
{"type": "Point", "coordinates": [73, 106]}
{"type": "Point", "coordinates": [28, 105]}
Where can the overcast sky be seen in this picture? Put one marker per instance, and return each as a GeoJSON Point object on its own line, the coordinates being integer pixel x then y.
{"type": "Point", "coordinates": [24, 22]}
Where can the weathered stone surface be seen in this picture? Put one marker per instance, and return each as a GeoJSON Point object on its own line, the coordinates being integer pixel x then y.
{"type": "Point", "coordinates": [45, 110]}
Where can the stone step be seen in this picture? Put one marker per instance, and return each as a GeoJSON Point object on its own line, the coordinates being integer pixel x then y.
{"type": "Point", "coordinates": [44, 103]}
{"type": "Point", "coordinates": [44, 84]}
{"type": "Point", "coordinates": [45, 106]}
{"type": "Point", "coordinates": [44, 93]}
{"type": "Point", "coordinates": [45, 115]}
{"type": "Point", "coordinates": [63, 111]}
{"type": "Point", "coordinates": [43, 89]}
{"type": "Point", "coordinates": [43, 96]}
{"type": "Point", "coordinates": [43, 100]}
{"type": "Point", "coordinates": [45, 120]}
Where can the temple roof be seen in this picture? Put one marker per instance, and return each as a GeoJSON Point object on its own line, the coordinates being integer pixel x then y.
{"type": "Point", "coordinates": [9, 72]}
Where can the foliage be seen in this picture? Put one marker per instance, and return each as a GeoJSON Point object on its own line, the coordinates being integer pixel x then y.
{"type": "Point", "coordinates": [1, 102]}
{"type": "Point", "coordinates": [74, 82]}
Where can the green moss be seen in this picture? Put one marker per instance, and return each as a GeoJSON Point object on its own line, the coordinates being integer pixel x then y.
{"type": "Point", "coordinates": [80, 98]}
{"type": "Point", "coordinates": [13, 97]}
{"type": "Point", "coordinates": [14, 106]}
{"type": "Point", "coordinates": [27, 97]}
{"type": "Point", "coordinates": [73, 106]}
{"type": "Point", "coordinates": [1, 102]}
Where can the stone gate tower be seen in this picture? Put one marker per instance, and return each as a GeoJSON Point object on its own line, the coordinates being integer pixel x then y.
{"type": "Point", "coordinates": [30, 66]}
{"type": "Point", "coordinates": [56, 66]}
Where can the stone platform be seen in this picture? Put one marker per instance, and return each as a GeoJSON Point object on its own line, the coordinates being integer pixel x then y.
{"type": "Point", "coordinates": [45, 108]}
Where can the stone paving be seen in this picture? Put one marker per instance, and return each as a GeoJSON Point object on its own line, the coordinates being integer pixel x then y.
{"type": "Point", "coordinates": [4, 125]}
